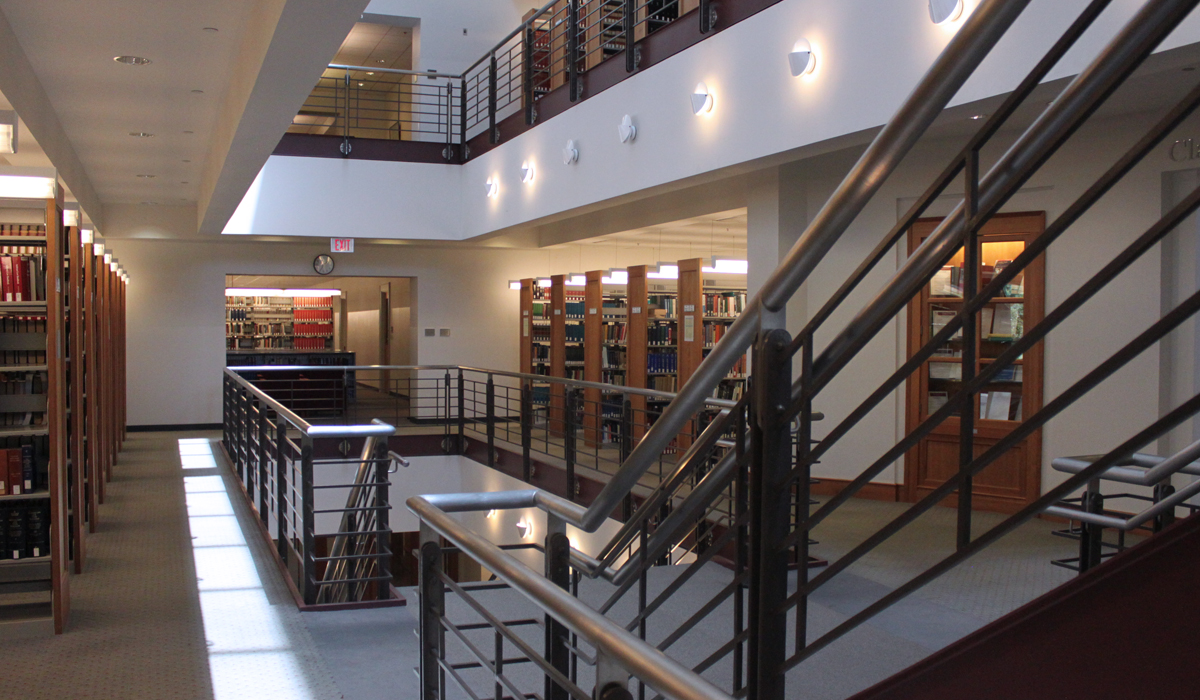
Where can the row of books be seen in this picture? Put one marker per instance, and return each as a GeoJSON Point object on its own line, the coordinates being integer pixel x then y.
{"type": "Point", "coordinates": [262, 302]}
{"type": "Point", "coordinates": [313, 314]}
{"type": "Point", "coordinates": [541, 334]}
{"type": "Point", "coordinates": [22, 383]}
{"type": "Point", "coordinates": [21, 230]}
{"type": "Point", "coordinates": [541, 352]}
{"type": "Point", "coordinates": [574, 353]}
{"type": "Point", "coordinates": [662, 362]}
{"type": "Point", "coordinates": [25, 529]}
{"type": "Point", "coordinates": [616, 332]}
{"type": "Point", "coordinates": [575, 333]}
{"type": "Point", "coordinates": [26, 324]}
{"type": "Point", "coordinates": [541, 310]}
{"type": "Point", "coordinates": [738, 370]}
{"type": "Point", "coordinates": [575, 373]}
{"type": "Point", "coordinates": [540, 292]}
{"type": "Point", "coordinates": [661, 383]}
{"type": "Point", "coordinates": [660, 334]}
{"type": "Point", "coordinates": [236, 314]}
{"type": "Point", "coordinates": [306, 343]}
{"type": "Point", "coordinates": [730, 304]}
{"type": "Point", "coordinates": [713, 332]}
{"type": "Point", "coordinates": [23, 277]}
{"type": "Point", "coordinates": [312, 329]}
{"type": "Point", "coordinates": [615, 378]}
{"type": "Point", "coordinates": [575, 309]}
{"type": "Point", "coordinates": [17, 473]}
{"type": "Point", "coordinates": [731, 391]}
{"type": "Point", "coordinates": [312, 303]}
{"type": "Point", "coordinates": [612, 358]}
{"type": "Point", "coordinates": [668, 305]}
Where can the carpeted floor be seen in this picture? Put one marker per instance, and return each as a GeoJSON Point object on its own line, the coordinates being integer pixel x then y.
{"type": "Point", "coordinates": [181, 600]}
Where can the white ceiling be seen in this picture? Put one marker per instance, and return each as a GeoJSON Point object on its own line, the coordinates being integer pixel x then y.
{"type": "Point", "coordinates": [721, 234]}
{"type": "Point", "coordinates": [99, 101]}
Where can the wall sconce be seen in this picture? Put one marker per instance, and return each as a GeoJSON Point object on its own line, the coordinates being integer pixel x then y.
{"type": "Point", "coordinates": [570, 154]}
{"type": "Point", "coordinates": [527, 172]}
{"type": "Point", "coordinates": [702, 100]}
{"type": "Point", "coordinates": [492, 513]}
{"type": "Point", "coordinates": [802, 60]}
{"type": "Point", "coordinates": [8, 131]}
{"type": "Point", "coordinates": [493, 187]}
{"type": "Point", "coordinates": [943, 11]}
{"type": "Point", "coordinates": [524, 529]}
{"type": "Point", "coordinates": [626, 130]}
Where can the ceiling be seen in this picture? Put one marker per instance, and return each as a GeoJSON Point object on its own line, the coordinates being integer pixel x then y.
{"type": "Point", "coordinates": [377, 45]}
{"type": "Point", "coordinates": [192, 46]}
{"type": "Point", "coordinates": [721, 234]}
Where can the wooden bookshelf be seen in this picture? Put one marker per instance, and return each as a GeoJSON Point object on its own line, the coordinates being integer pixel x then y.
{"type": "Point", "coordinates": [278, 323]}
{"type": "Point", "coordinates": [76, 418]}
{"type": "Point", "coordinates": [35, 569]}
{"type": "Point", "coordinates": [558, 356]}
{"type": "Point", "coordinates": [593, 327]}
{"type": "Point", "coordinates": [635, 356]}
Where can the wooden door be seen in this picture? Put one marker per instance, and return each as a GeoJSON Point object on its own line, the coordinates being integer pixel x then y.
{"type": "Point", "coordinates": [1013, 480]}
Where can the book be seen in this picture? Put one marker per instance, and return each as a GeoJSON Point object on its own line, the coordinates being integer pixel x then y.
{"type": "Point", "coordinates": [945, 370]}
{"type": "Point", "coordinates": [998, 405]}
{"type": "Point", "coordinates": [37, 531]}
{"type": "Point", "coordinates": [16, 481]}
{"type": "Point", "coordinates": [27, 470]}
{"type": "Point", "coordinates": [17, 540]}
{"type": "Point", "coordinates": [937, 399]}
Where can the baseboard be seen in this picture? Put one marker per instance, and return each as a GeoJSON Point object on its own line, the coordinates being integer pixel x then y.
{"type": "Point", "coordinates": [168, 427]}
{"type": "Point", "coordinates": [872, 491]}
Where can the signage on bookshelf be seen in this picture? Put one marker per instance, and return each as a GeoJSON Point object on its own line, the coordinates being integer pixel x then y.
{"type": "Point", "coordinates": [341, 245]}
{"type": "Point", "coordinates": [1184, 149]}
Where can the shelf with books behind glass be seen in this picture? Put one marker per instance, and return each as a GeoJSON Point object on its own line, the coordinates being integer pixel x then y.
{"type": "Point", "coordinates": [35, 505]}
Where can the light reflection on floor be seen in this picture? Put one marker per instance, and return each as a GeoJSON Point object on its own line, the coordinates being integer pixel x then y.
{"type": "Point", "coordinates": [249, 652]}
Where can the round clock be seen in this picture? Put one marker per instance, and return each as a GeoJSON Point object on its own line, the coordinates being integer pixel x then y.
{"type": "Point", "coordinates": [323, 264]}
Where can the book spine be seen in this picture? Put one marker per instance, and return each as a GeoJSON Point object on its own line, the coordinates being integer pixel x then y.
{"type": "Point", "coordinates": [15, 480]}
{"type": "Point", "coordinates": [27, 470]}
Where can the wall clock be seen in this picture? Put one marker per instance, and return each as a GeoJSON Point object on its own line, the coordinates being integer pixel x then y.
{"type": "Point", "coordinates": [323, 264]}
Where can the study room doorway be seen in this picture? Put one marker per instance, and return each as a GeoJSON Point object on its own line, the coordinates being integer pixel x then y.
{"type": "Point", "coordinates": [327, 321]}
{"type": "Point", "coordinates": [1013, 480]}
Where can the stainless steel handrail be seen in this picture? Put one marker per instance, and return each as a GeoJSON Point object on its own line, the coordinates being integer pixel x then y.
{"type": "Point", "coordinates": [324, 431]}
{"type": "Point", "coordinates": [635, 656]}
{"type": "Point", "coordinates": [578, 383]}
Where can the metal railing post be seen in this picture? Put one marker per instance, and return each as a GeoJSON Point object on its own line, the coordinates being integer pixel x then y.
{"type": "Point", "coordinates": [573, 50]}
{"type": "Point", "coordinates": [741, 541]}
{"type": "Point", "coordinates": [966, 434]}
{"type": "Point", "coordinates": [382, 521]}
{"type": "Point", "coordinates": [281, 489]}
{"type": "Point", "coordinates": [629, 19]}
{"type": "Point", "coordinates": [569, 441]}
{"type": "Point", "coordinates": [446, 414]}
{"type": "Point", "coordinates": [345, 147]}
{"type": "Point", "coordinates": [769, 513]}
{"type": "Point", "coordinates": [526, 431]}
{"type": "Point", "coordinates": [432, 599]}
{"type": "Point", "coordinates": [462, 120]}
{"type": "Point", "coordinates": [558, 571]}
{"type": "Point", "coordinates": [264, 500]}
{"type": "Point", "coordinates": [612, 681]}
{"type": "Point", "coordinates": [626, 448]}
{"type": "Point", "coordinates": [1091, 536]}
{"type": "Point", "coordinates": [527, 74]}
{"type": "Point", "coordinates": [244, 437]}
{"type": "Point", "coordinates": [803, 492]}
{"type": "Point", "coordinates": [1167, 518]}
{"type": "Point", "coordinates": [491, 421]}
{"type": "Point", "coordinates": [309, 588]}
{"type": "Point", "coordinates": [462, 414]}
{"type": "Point", "coordinates": [493, 134]}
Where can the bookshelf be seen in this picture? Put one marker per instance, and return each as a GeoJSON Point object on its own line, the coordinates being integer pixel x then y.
{"type": "Point", "coordinates": [647, 333]}
{"type": "Point", "coordinates": [278, 323]}
{"type": "Point", "coordinates": [35, 506]}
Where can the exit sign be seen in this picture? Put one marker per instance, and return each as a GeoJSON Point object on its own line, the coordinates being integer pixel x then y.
{"type": "Point", "coordinates": [341, 245]}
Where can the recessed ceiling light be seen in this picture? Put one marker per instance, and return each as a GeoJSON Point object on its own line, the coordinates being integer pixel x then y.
{"type": "Point", "coordinates": [141, 134]}
{"type": "Point", "coordinates": [370, 72]}
{"type": "Point", "coordinates": [197, 92]}
{"type": "Point", "coordinates": [211, 29]}
{"type": "Point", "coordinates": [147, 176]}
{"type": "Point", "coordinates": [132, 60]}
{"type": "Point", "coordinates": [381, 61]}
{"type": "Point", "coordinates": [360, 84]}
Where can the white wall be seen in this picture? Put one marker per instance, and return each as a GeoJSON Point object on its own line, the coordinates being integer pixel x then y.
{"type": "Point", "coordinates": [442, 45]}
{"type": "Point", "coordinates": [760, 112]}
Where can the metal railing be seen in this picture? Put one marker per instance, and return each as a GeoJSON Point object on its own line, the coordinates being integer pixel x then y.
{"type": "Point", "coordinates": [737, 484]}
{"type": "Point", "coordinates": [296, 477]}
{"type": "Point", "coordinates": [554, 47]}
{"type": "Point", "coordinates": [383, 103]}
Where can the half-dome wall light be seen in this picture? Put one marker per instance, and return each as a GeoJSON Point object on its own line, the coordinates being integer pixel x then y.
{"type": "Point", "coordinates": [943, 11]}
{"type": "Point", "coordinates": [802, 60]}
{"type": "Point", "coordinates": [493, 187]}
{"type": "Point", "coordinates": [570, 154]}
{"type": "Point", "coordinates": [527, 172]}
{"type": "Point", "coordinates": [702, 100]}
{"type": "Point", "coordinates": [626, 130]}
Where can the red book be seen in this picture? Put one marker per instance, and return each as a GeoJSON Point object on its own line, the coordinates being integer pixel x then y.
{"type": "Point", "coordinates": [6, 274]}
{"type": "Point", "coordinates": [23, 281]}
{"type": "Point", "coordinates": [3, 476]}
{"type": "Point", "coordinates": [13, 461]}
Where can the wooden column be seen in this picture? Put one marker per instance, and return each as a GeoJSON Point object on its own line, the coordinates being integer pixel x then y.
{"type": "Point", "coordinates": [56, 415]}
{"type": "Point", "coordinates": [91, 373]}
{"type": "Point", "coordinates": [75, 320]}
{"type": "Point", "coordinates": [691, 318]}
{"type": "Point", "coordinates": [558, 351]}
{"type": "Point", "coordinates": [593, 336]}
{"type": "Point", "coordinates": [636, 339]}
{"type": "Point", "coordinates": [526, 330]}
